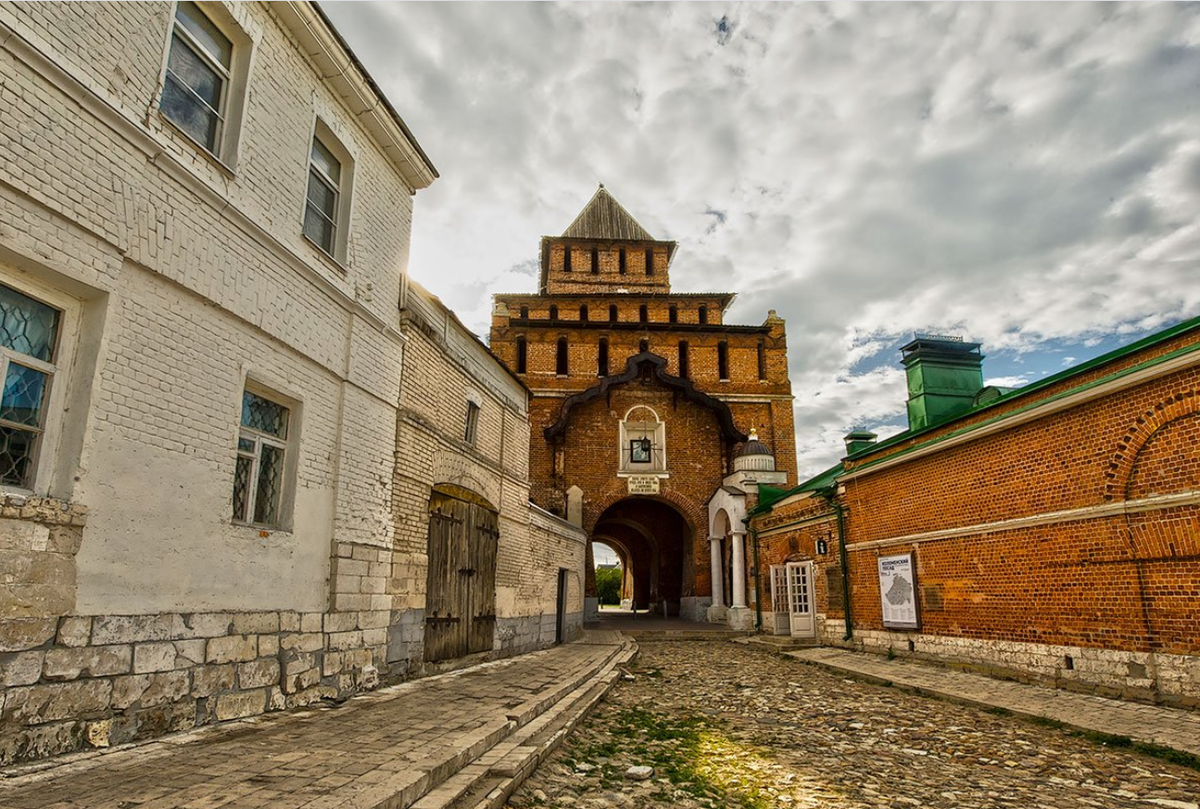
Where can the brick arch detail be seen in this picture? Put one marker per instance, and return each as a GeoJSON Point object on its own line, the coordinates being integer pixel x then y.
{"type": "Point", "coordinates": [1121, 462]}
{"type": "Point", "coordinates": [691, 512]}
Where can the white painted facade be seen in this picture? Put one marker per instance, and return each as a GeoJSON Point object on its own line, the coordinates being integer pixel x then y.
{"type": "Point", "coordinates": [132, 599]}
{"type": "Point", "coordinates": [183, 278]}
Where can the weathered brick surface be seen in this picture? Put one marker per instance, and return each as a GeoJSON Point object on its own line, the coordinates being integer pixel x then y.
{"type": "Point", "coordinates": [1093, 579]}
{"type": "Point", "coordinates": [627, 313]}
{"type": "Point", "coordinates": [131, 599]}
{"type": "Point", "coordinates": [454, 368]}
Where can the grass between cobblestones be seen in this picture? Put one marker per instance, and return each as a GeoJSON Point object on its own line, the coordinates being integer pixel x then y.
{"type": "Point", "coordinates": [692, 756]}
{"type": "Point", "coordinates": [723, 725]}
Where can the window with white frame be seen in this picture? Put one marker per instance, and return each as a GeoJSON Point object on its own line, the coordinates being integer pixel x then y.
{"type": "Point", "coordinates": [259, 476]}
{"type": "Point", "coordinates": [322, 208]}
{"type": "Point", "coordinates": [29, 331]}
{"type": "Point", "coordinates": [195, 93]}
{"type": "Point", "coordinates": [642, 440]}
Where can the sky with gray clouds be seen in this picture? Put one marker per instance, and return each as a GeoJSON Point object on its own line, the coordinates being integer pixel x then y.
{"type": "Point", "coordinates": [1026, 175]}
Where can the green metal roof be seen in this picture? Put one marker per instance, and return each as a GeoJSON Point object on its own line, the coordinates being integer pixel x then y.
{"type": "Point", "coordinates": [768, 496]}
{"type": "Point", "coordinates": [1042, 384]}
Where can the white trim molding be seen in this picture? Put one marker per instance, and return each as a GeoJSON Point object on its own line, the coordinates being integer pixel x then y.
{"type": "Point", "coordinates": [1155, 503]}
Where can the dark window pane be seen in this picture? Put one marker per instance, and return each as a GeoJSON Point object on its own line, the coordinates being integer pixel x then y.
{"type": "Point", "coordinates": [24, 389]}
{"type": "Point", "coordinates": [270, 477]}
{"type": "Point", "coordinates": [193, 72]}
{"type": "Point", "coordinates": [27, 326]}
{"type": "Point", "coordinates": [207, 34]}
{"type": "Point", "coordinates": [16, 456]}
{"type": "Point", "coordinates": [639, 450]}
{"type": "Point", "coordinates": [318, 228]}
{"type": "Point", "coordinates": [187, 113]}
{"type": "Point", "coordinates": [321, 196]}
{"type": "Point", "coordinates": [323, 159]}
{"type": "Point", "coordinates": [241, 487]}
{"type": "Point", "coordinates": [245, 445]}
{"type": "Point", "coordinates": [264, 416]}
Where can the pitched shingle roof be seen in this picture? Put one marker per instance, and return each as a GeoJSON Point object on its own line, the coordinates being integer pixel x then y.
{"type": "Point", "coordinates": [604, 218]}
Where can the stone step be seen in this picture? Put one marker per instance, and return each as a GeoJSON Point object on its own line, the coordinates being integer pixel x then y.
{"type": "Point", "coordinates": [781, 642]}
{"type": "Point", "coordinates": [493, 776]}
{"type": "Point", "coordinates": [663, 635]}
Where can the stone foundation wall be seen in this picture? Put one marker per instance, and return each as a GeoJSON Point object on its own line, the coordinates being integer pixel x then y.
{"type": "Point", "coordinates": [78, 681]}
{"type": "Point", "coordinates": [1145, 676]}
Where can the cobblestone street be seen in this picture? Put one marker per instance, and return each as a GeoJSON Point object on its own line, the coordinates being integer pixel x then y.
{"type": "Point", "coordinates": [724, 725]}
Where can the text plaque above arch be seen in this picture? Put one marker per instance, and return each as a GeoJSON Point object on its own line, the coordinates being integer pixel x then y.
{"type": "Point", "coordinates": [642, 484]}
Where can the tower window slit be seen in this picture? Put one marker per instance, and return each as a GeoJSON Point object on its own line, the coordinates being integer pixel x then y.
{"type": "Point", "coordinates": [560, 366]}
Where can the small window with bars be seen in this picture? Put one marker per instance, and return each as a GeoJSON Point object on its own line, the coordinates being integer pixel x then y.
{"type": "Point", "coordinates": [28, 347]}
{"type": "Point", "coordinates": [259, 476]}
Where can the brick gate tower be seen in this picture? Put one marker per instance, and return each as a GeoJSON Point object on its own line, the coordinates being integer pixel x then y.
{"type": "Point", "coordinates": [652, 419]}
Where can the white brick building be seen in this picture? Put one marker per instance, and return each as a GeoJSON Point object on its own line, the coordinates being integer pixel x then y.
{"type": "Point", "coordinates": [204, 225]}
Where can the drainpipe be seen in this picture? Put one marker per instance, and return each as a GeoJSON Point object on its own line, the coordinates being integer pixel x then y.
{"type": "Point", "coordinates": [758, 622]}
{"type": "Point", "coordinates": [830, 496]}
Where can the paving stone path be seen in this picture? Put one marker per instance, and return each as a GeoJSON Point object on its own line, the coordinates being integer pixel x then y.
{"type": "Point", "coordinates": [727, 725]}
{"type": "Point", "coordinates": [1169, 727]}
{"type": "Point", "coordinates": [364, 753]}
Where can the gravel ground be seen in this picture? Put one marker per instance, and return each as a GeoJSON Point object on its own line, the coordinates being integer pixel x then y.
{"type": "Point", "coordinates": [723, 725]}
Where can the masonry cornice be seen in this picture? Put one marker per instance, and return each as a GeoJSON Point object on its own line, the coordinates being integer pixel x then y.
{"type": "Point", "coordinates": [1123, 507]}
{"type": "Point", "coordinates": [35, 60]}
{"type": "Point", "coordinates": [337, 66]}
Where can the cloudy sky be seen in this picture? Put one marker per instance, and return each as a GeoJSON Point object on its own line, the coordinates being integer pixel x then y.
{"type": "Point", "coordinates": [1025, 175]}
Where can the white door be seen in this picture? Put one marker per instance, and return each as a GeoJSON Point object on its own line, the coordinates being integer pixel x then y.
{"type": "Point", "coordinates": [800, 600]}
{"type": "Point", "coordinates": [780, 624]}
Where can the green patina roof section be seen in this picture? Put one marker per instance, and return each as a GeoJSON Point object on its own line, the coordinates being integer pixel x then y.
{"type": "Point", "coordinates": [768, 496]}
{"type": "Point", "coordinates": [1145, 342]}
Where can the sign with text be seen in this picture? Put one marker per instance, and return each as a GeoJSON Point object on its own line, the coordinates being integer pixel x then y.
{"type": "Point", "coordinates": [642, 484]}
{"type": "Point", "coordinates": [898, 591]}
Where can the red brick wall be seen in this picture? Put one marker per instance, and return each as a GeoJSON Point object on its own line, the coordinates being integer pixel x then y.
{"type": "Point", "coordinates": [1125, 579]}
{"type": "Point", "coordinates": [608, 278]}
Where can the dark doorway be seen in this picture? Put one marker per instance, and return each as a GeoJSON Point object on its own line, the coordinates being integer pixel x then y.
{"type": "Point", "coordinates": [460, 586]}
{"type": "Point", "coordinates": [560, 625]}
{"type": "Point", "coordinates": [657, 552]}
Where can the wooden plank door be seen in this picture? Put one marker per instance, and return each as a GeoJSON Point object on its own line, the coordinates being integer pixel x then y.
{"type": "Point", "coordinates": [460, 587]}
{"type": "Point", "coordinates": [780, 624]}
{"type": "Point", "coordinates": [444, 629]}
{"type": "Point", "coordinates": [800, 599]}
{"type": "Point", "coordinates": [482, 541]}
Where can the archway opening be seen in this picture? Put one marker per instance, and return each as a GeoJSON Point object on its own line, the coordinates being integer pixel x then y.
{"type": "Point", "coordinates": [611, 569]}
{"type": "Point", "coordinates": [656, 543]}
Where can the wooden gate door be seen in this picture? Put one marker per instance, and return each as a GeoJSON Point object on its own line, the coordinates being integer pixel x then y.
{"type": "Point", "coordinates": [460, 587]}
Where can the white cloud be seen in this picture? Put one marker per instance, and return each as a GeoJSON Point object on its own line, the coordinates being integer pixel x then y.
{"type": "Point", "coordinates": [1024, 174]}
{"type": "Point", "coordinates": [1008, 381]}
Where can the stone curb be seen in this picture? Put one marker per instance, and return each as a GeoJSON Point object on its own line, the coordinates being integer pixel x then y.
{"type": "Point", "coordinates": [488, 782]}
{"type": "Point", "coordinates": [422, 779]}
{"type": "Point", "coordinates": [1061, 714]}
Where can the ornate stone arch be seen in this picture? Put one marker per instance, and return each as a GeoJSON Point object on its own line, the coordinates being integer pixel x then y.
{"type": "Point", "coordinates": [1124, 457]}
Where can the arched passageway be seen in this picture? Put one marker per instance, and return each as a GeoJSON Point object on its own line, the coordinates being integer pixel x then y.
{"type": "Point", "coordinates": [611, 569]}
{"type": "Point", "coordinates": [654, 542]}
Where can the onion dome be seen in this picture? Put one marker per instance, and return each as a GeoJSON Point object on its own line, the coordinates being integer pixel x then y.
{"type": "Point", "coordinates": [754, 456]}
